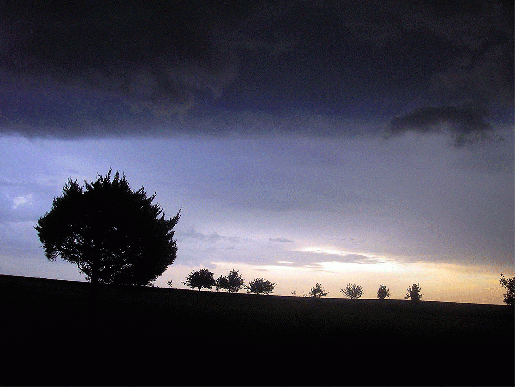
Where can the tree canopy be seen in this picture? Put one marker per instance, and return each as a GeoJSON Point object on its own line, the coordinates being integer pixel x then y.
{"type": "Point", "coordinates": [260, 286]}
{"type": "Point", "coordinates": [413, 293]}
{"type": "Point", "coordinates": [352, 291]}
{"type": "Point", "coordinates": [232, 283]}
{"type": "Point", "coordinates": [317, 291]}
{"type": "Point", "coordinates": [199, 279]}
{"type": "Point", "coordinates": [115, 235]}
{"type": "Point", "coordinates": [383, 292]}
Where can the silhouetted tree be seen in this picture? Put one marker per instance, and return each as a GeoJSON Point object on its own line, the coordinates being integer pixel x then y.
{"type": "Point", "coordinates": [260, 286]}
{"type": "Point", "coordinates": [352, 291]}
{"type": "Point", "coordinates": [202, 278]}
{"type": "Point", "coordinates": [383, 292]}
{"type": "Point", "coordinates": [113, 234]}
{"type": "Point", "coordinates": [509, 284]}
{"type": "Point", "coordinates": [414, 293]}
{"type": "Point", "coordinates": [317, 291]}
{"type": "Point", "coordinates": [235, 281]}
{"type": "Point", "coordinates": [222, 282]}
{"type": "Point", "coordinates": [232, 283]}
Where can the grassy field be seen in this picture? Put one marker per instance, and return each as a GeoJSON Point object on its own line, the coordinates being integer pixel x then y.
{"type": "Point", "coordinates": [175, 337]}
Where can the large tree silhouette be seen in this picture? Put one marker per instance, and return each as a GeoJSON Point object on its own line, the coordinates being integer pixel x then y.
{"type": "Point", "coordinates": [113, 234]}
{"type": "Point", "coordinates": [509, 284]}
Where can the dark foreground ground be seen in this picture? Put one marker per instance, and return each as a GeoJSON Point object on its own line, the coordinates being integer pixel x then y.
{"type": "Point", "coordinates": [147, 336]}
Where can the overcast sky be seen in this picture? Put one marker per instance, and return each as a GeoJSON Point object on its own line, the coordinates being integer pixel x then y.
{"type": "Point", "coordinates": [304, 142]}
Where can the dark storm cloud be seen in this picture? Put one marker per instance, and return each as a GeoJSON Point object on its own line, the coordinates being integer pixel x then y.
{"type": "Point", "coordinates": [465, 123]}
{"type": "Point", "coordinates": [115, 68]}
{"type": "Point", "coordinates": [154, 52]}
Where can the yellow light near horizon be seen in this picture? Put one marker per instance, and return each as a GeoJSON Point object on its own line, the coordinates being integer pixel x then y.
{"type": "Point", "coordinates": [439, 281]}
{"type": "Point", "coordinates": [345, 267]}
{"type": "Point", "coordinates": [373, 262]}
{"type": "Point", "coordinates": [330, 251]}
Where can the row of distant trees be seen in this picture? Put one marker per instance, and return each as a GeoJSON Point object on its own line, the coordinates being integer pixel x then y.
{"type": "Point", "coordinates": [354, 291]}
{"type": "Point", "coordinates": [118, 236]}
{"type": "Point", "coordinates": [232, 283]}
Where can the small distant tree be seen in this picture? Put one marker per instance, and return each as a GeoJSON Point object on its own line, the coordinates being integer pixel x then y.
{"type": "Point", "coordinates": [509, 284]}
{"type": "Point", "coordinates": [232, 283]}
{"type": "Point", "coordinates": [221, 283]}
{"type": "Point", "coordinates": [317, 291]}
{"type": "Point", "coordinates": [260, 286]}
{"type": "Point", "coordinates": [235, 281]}
{"type": "Point", "coordinates": [352, 291]}
{"type": "Point", "coordinates": [202, 278]}
{"type": "Point", "coordinates": [414, 293]}
{"type": "Point", "coordinates": [383, 292]}
{"type": "Point", "coordinates": [170, 283]}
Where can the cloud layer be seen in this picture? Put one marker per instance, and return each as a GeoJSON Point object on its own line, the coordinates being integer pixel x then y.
{"type": "Point", "coordinates": [131, 68]}
{"type": "Point", "coordinates": [465, 123]}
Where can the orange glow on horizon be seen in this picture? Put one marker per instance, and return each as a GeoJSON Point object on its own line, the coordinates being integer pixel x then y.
{"type": "Point", "coordinates": [439, 281]}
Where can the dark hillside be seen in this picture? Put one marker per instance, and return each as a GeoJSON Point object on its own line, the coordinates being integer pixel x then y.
{"type": "Point", "coordinates": [172, 336]}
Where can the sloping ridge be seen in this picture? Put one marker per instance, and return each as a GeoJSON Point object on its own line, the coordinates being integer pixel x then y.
{"type": "Point", "coordinates": [139, 335]}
